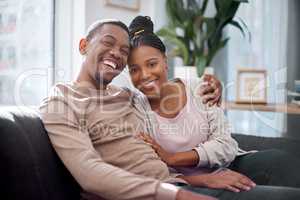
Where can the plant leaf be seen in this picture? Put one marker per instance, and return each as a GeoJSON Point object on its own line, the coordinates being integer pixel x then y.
{"type": "Point", "coordinates": [238, 26]}
{"type": "Point", "coordinates": [215, 49]}
{"type": "Point", "coordinates": [201, 63]}
{"type": "Point", "coordinates": [181, 49]}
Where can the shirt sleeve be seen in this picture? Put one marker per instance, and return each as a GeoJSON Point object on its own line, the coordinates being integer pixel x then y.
{"type": "Point", "coordinates": [74, 147]}
{"type": "Point", "coordinates": [220, 149]}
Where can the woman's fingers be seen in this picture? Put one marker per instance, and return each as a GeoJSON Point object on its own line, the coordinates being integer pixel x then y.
{"type": "Point", "coordinates": [149, 141]}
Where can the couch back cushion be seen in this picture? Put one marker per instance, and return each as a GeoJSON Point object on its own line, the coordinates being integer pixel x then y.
{"type": "Point", "coordinates": [30, 168]}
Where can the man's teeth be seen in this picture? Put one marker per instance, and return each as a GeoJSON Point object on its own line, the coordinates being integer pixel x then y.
{"type": "Point", "coordinates": [111, 64]}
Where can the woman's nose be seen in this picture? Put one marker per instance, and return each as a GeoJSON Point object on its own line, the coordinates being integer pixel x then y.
{"type": "Point", "coordinates": [145, 74]}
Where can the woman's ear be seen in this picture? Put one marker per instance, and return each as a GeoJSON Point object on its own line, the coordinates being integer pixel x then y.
{"type": "Point", "coordinates": [82, 46]}
{"type": "Point", "coordinates": [166, 62]}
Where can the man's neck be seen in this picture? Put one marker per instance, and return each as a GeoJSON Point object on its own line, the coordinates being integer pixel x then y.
{"type": "Point", "coordinates": [84, 79]}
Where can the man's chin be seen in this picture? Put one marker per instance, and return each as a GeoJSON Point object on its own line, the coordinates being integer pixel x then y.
{"type": "Point", "coordinates": [104, 79]}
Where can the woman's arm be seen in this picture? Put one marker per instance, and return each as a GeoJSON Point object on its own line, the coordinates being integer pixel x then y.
{"type": "Point", "coordinates": [220, 149]}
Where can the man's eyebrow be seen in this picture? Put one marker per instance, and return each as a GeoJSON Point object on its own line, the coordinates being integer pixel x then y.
{"type": "Point", "coordinates": [110, 36]}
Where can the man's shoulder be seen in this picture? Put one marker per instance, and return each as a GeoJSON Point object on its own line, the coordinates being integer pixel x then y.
{"type": "Point", "coordinates": [61, 89]}
{"type": "Point", "coordinates": [57, 95]}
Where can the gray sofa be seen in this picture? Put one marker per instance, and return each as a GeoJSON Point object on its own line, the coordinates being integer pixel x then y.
{"type": "Point", "coordinates": [30, 169]}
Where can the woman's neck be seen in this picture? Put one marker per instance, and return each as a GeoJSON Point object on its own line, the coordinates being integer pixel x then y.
{"type": "Point", "coordinates": [171, 101]}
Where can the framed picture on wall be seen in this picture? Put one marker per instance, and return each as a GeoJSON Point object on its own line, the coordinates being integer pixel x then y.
{"type": "Point", "coordinates": [126, 4]}
{"type": "Point", "coordinates": [251, 86]}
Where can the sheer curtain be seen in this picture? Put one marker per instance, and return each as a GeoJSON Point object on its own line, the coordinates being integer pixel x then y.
{"type": "Point", "coordinates": [26, 50]}
{"type": "Point", "coordinates": [267, 23]}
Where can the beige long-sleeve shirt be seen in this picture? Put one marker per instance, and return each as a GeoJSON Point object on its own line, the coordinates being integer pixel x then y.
{"type": "Point", "coordinates": [93, 133]}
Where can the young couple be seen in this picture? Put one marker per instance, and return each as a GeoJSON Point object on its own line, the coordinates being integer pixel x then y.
{"type": "Point", "coordinates": [115, 142]}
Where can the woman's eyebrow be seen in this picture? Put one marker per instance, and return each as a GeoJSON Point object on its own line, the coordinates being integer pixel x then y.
{"type": "Point", "coordinates": [152, 59]}
{"type": "Point", "coordinates": [133, 65]}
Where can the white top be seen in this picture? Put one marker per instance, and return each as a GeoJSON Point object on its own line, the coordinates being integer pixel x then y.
{"type": "Point", "coordinates": [200, 128]}
{"type": "Point", "coordinates": [183, 132]}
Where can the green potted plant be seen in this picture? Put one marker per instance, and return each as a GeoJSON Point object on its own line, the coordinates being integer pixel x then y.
{"type": "Point", "coordinates": [197, 38]}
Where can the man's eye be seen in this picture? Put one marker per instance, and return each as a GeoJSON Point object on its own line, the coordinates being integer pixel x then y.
{"type": "Point", "coordinates": [125, 52]}
{"type": "Point", "coordinates": [107, 43]}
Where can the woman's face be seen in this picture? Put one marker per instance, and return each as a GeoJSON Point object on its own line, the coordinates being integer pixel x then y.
{"type": "Point", "coordinates": [148, 70]}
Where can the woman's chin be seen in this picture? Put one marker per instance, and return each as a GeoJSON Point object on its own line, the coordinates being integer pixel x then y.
{"type": "Point", "coordinates": [151, 95]}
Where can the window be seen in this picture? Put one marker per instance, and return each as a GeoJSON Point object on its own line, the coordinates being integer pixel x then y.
{"type": "Point", "coordinates": [26, 50]}
{"type": "Point", "coordinates": [267, 23]}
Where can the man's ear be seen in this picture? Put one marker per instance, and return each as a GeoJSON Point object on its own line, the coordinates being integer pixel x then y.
{"type": "Point", "coordinates": [83, 46]}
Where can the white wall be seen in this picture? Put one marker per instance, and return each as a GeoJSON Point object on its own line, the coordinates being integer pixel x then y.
{"type": "Point", "coordinates": [98, 9]}
{"type": "Point", "coordinates": [74, 16]}
{"type": "Point", "coordinates": [69, 28]}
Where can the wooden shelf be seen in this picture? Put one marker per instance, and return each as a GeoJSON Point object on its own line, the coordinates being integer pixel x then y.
{"type": "Point", "coordinates": [282, 108]}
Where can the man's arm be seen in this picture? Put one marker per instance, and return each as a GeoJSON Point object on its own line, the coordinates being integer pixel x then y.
{"type": "Point", "coordinates": [75, 149]}
{"type": "Point", "coordinates": [221, 179]}
{"type": "Point", "coordinates": [210, 90]}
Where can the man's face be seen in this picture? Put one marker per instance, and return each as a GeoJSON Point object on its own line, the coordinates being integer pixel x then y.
{"type": "Point", "coordinates": [107, 53]}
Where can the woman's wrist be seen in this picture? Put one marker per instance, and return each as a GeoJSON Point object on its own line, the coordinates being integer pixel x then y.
{"type": "Point", "coordinates": [172, 160]}
{"type": "Point", "coordinates": [183, 159]}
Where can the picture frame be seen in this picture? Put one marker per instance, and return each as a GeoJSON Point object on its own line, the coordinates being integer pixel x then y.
{"type": "Point", "coordinates": [251, 86]}
{"type": "Point", "coordinates": [133, 5]}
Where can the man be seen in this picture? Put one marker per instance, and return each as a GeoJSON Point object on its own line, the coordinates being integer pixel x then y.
{"type": "Point", "coordinates": [92, 125]}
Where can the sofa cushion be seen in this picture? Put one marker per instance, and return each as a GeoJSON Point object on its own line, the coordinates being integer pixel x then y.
{"type": "Point", "coordinates": [30, 168]}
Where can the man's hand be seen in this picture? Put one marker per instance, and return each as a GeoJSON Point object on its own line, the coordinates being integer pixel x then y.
{"type": "Point", "coordinates": [187, 195]}
{"type": "Point", "coordinates": [163, 154]}
{"type": "Point", "coordinates": [211, 90]}
{"type": "Point", "coordinates": [225, 179]}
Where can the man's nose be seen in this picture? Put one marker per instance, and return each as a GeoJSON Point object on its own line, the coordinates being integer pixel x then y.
{"type": "Point", "coordinates": [115, 53]}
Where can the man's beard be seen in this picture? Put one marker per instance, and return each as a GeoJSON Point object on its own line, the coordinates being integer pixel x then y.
{"type": "Point", "coordinates": [100, 80]}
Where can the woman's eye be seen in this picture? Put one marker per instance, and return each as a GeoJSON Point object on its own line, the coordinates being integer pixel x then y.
{"type": "Point", "coordinates": [132, 70]}
{"type": "Point", "coordinates": [152, 64]}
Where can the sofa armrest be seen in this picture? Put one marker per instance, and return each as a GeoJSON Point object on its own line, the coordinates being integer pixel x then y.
{"type": "Point", "coordinates": [250, 142]}
{"type": "Point", "coordinates": [30, 168]}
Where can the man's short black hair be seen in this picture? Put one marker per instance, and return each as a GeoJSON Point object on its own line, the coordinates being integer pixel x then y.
{"type": "Point", "coordinates": [96, 26]}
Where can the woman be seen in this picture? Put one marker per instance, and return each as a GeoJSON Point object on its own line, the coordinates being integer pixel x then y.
{"type": "Point", "coordinates": [192, 137]}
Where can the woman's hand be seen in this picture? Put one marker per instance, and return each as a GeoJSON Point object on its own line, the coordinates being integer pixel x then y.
{"type": "Point", "coordinates": [179, 159]}
{"type": "Point", "coordinates": [225, 179]}
{"type": "Point", "coordinates": [211, 90]}
{"type": "Point", "coordinates": [163, 154]}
